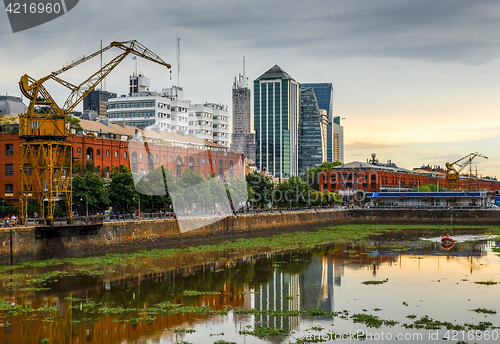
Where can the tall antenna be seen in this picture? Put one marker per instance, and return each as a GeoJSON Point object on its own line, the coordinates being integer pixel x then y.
{"type": "Point", "coordinates": [101, 63]}
{"type": "Point", "coordinates": [178, 57]}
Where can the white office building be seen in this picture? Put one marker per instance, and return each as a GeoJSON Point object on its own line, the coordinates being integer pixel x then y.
{"type": "Point", "coordinates": [169, 111]}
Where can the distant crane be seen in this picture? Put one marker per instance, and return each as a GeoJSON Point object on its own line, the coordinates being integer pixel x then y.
{"type": "Point", "coordinates": [46, 158]}
{"type": "Point", "coordinates": [454, 169]}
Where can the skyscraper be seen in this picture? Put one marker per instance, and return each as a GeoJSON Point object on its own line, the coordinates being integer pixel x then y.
{"type": "Point", "coordinates": [338, 131]}
{"type": "Point", "coordinates": [312, 131]}
{"type": "Point", "coordinates": [324, 95]}
{"type": "Point", "coordinates": [276, 122]}
{"type": "Point", "coordinates": [243, 140]}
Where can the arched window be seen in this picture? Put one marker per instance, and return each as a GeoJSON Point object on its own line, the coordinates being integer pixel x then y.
{"type": "Point", "coordinates": [125, 155]}
{"type": "Point", "coordinates": [90, 153]}
{"type": "Point", "coordinates": [78, 151]}
{"type": "Point", "coordinates": [221, 169]}
{"type": "Point", "coordinates": [98, 152]}
{"type": "Point", "coordinates": [116, 154]}
{"type": "Point", "coordinates": [191, 163]}
{"type": "Point", "coordinates": [107, 153]}
{"type": "Point", "coordinates": [231, 169]}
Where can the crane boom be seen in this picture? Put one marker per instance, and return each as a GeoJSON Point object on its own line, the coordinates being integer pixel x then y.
{"type": "Point", "coordinates": [46, 159]}
{"type": "Point", "coordinates": [454, 169]}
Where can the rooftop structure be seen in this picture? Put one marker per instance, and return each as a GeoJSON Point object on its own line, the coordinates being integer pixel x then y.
{"type": "Point", "coordinates": [10, 105]}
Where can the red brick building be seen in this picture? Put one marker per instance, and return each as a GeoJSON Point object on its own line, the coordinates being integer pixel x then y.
{"type": "Point", "coordinates": [110, 146]}
{"type": "Point", "coordinates": [374, 178]}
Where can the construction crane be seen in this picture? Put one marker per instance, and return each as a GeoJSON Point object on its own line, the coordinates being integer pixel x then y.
{"type": "Point", "coordinates": [46, 158]}
{"type": "Point", "coordinates": [454, 169]}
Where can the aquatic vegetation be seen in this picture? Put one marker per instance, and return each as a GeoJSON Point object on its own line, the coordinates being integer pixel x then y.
{"type": "Point", "coordinates": [196, 292]}
{"type": "Point", "coordinates": [183, 330]}
{"type": "Point", "coordinates": [486, 282]}
{"type": "Point", "coordinates": [263, 332]}
{"type": "Point", "coordinates": [484, 310]}
{"type": "Point", "coordinates": [221, 341]}
{"type": "Point", "coordinates": [375, 282]}
{"type": "Point", "coordinates": [317, 328]}
{"type": "Point", "coordinates": [371, 320]}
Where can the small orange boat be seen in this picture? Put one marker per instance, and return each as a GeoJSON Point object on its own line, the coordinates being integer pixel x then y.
{"type": "Point", "coordinates": [447, 240]}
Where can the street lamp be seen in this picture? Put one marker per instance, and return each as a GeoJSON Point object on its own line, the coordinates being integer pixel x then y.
{"type": "Point", "coordinates": [86, 204]}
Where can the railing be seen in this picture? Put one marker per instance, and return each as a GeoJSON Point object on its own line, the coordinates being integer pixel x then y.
{"type": "Point", "coordinates": [65, 222]}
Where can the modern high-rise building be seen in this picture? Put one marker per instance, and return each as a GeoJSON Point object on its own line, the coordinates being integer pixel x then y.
{"type": "Point", "coordinates": [97, 101]}
{"type": "Point", "coordinates": [242, 140]}
{"type": "Point", "coordinates": [312, 131]}
{"type": "Point", "coordinates": [324, 95]}
{"type": "Point", "coordinates": [338, 147]}
{"type": "Point", "coordinates": [276, 123]}
{"type": "Point", "coordinates": [10, 105]}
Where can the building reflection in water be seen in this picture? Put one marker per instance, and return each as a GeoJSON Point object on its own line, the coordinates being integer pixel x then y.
{"type": "Point", "coordinates": [301, 281]}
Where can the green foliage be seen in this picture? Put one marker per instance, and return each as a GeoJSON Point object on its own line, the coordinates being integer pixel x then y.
{"type": "Point", "coordinates": [90, 188]}
{"type": "Point", "coordinates": [122, 191]}
{"type": "Point", "coordinates": [90, 167]}
{"type": "Point", "coordinates": [239, 192]}
{"type": "Point", "coordinates": [154, 190]}
{"type": "Point", "coordinates": [262, 188]}
{"type": "Point", "coordinates": [74, 123]}
{"type": "Point", "coordinates": [295, 192]}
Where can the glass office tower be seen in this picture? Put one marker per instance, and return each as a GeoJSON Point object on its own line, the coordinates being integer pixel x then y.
{"type": "Point", "coordinates": [324, 95]}
{"type": "Point", "coordinates": [312, 131]}
{"type": "Point", "coordinates": [276, 123]}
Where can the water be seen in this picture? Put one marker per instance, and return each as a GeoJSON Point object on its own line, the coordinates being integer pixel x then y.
{"type": "Point", "coordinates": [418, 278]}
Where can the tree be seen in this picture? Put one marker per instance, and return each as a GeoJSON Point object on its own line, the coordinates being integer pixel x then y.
{"type": "Point", "coordinates": [239, 192]}
{"type": "Point", "coordinates": [90, 188]}
{"type": "Point", "coordinates": [154, 191]}
{"type": "Point", "coordinates": [194, 188]}
{"type": "Point", "coordinates": [318, 198]}
{"type": "Point", "coordinates": [121, 189]}
{"type": "Point", "coordinates": [74, 123]}
{"type": "Point", "coordinates": [295, 192]}
{"type": "Point", "coordinates": [262, 188]}
{"type": "Point", "coordinates": [433, 187]}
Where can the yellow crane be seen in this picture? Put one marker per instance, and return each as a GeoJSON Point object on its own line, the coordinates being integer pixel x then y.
{"type": "Point", "coordinates": [454, 169]}
{"type": "Point", "coordinates": [46, 159]}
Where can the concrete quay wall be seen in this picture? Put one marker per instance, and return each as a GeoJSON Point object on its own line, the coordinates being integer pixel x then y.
{"type": "Point", "coordinates": [20, 243]}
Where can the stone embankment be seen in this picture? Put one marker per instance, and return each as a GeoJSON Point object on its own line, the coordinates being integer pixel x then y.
{"type": "Point", "coordinates": [21, 243]}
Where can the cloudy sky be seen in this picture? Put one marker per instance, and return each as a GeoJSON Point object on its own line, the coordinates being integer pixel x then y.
{"type": "Point", "coordinates": [418, 82]}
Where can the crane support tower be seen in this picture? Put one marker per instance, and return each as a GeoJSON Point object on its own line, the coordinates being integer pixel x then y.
{"type": "Point", "coordinates": [46, 158]}
{"type": "Point", "coordinates": [454, 169]}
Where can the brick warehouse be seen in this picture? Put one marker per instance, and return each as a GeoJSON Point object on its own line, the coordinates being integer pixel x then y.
{"type": "Point", "coordinates": [374, 178]}
{"type": "Point", "coordinates": [110, 146]}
